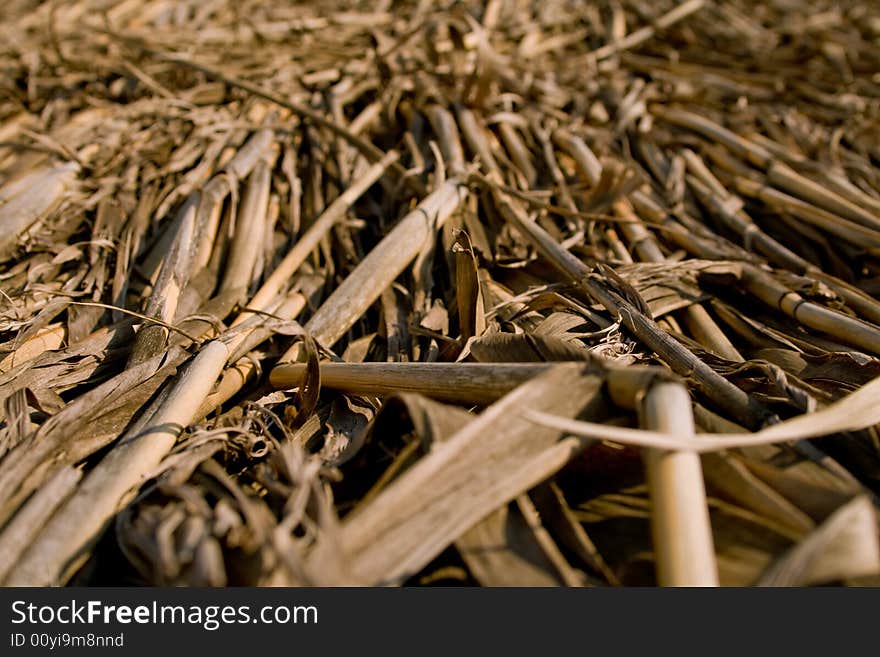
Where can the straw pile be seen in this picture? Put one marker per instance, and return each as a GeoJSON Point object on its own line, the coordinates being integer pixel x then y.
{"type": "Point", "coordinates": [499, 293]}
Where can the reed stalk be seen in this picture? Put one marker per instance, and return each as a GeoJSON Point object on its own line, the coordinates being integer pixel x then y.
{"type": "Point", "coordinates": [464, 383]}
{"type": "Point", "coordinates": [683, 551]}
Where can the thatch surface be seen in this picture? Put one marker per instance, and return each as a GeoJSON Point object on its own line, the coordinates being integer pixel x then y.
{"type": "Point", "coordinates": [379, 293]}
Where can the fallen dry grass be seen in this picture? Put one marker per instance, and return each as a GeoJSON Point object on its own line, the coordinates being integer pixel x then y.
{"type": "Point", "coordinates": [497, 293]}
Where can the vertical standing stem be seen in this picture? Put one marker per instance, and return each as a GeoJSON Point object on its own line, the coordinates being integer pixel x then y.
{"type": "Point", "coordinates": [683, 549]}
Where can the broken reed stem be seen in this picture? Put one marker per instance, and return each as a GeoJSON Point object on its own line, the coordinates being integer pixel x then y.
{"type": "Point", "coordinates": [742, 147]}
{"type": "Point", "coordinates": [387, 260]}
{"type": "Point", "coordinates": [779, 174]}
{"type": "Point", "coordinates": [707, 332]}
{"type": "Point", "coordinates": [192, 244]}
{"type": "Point", "coordinates": [16, 482]}
{"type": "Point", "coordinates": [475, 136]}
{"type": "Point", "coordinates": [243, 368]}
{"type": "Point", "coordinates": [172, 278]}
{"type": "Point", "coordinates": [255, 150]}
{"type": "Point", "coordinates": [583, 156]}
{"type": "Point", "coordinates": [865, 306]}
{"type": "Point", "coordinates": [68, 535]}
{"type": "Point", "coordinates": [466, 383]}
{"type": "Point", "coordinates": [250, 229]}
{"type": "Point", "coordinates": [683, 550]}
{"type": "Point", "coordinates": [727, 207]}
{"type": "Point", "coordinates": [519, 153]}
{"type": "Point", "coordinates": [444, 126]}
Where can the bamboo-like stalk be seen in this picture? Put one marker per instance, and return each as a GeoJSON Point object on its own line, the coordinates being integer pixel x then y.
{"type": "Point", "coordinates": [639, 238]}
{"type": "Point", "coordinates": [443, 124]}
{"type": "Point", "coordinates": [617, 246]}
{"type": "Point", "coordinates": [154, 260]}
{"type": "Point", "coordinates": [64, 539]}
{"type": "Point", "coordinates": [728, 208]}
{"type": "Point", "coordinates": [843, 187]}
{"type": "Point", "coordinates": [551, 164]}
{"type": "Point", "coordinates": [288, 309]}
{"type": "Point", "coordinates": [685, 236]}
{"type": "Point", "coordinates": [232, 380]}
{"type": "Point", "coordinates": [518, 151]}
{"type": "Point", "coordinates": [477, 141]}
{"type": "Point", "coordinates": [865, 306]}
{"type": "Point", "coordinates": [468, 383]}
{"type": "Point", "coordinates": [148, 441]}
{"type": "Point", "coordinates": [839, 213]}
{"type": "Point", "coordinates": [741, 146]}
{"type": "Point", "coordinates": [383, 264]}
{"type": "Point", "coordinates": [849, 330]}
{"type": "Point", "coordinates": [16, 480]}
{"type": "Point", "coordinates": [243, 368]}
{"type": "Point", "coordinates": [707, 332]}
{"type": "Point", "coordinates": [255, 150]}
{"type": "Point", "coordinates": [683, 550]}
